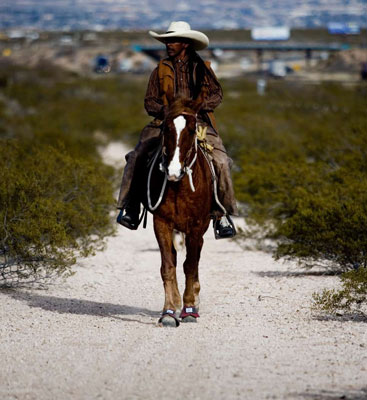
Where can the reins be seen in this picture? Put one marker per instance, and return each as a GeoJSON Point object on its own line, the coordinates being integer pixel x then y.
{"type": "Point", "coordinates": [188, 169]}
{"type": "Point", "coordinates": [151, 208]}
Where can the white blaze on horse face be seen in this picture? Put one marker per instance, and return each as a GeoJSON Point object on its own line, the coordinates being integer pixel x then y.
{"type": "Point", "coordinates": [174, 168]}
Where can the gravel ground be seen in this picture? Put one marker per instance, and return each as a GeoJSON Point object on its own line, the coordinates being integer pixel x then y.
{"type": "Point", "coordinates": [95, 335]}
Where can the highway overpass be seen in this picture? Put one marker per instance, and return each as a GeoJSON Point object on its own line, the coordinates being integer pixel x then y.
{"type": "Point", "coordinates": [157, 51]}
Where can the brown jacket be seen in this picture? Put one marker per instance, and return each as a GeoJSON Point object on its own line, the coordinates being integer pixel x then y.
{"type": "Point", "coordinates": [157, 99]}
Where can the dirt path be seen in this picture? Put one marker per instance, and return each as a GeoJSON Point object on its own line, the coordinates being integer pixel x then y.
{"type": "Point", "coordinates": [95, 335]}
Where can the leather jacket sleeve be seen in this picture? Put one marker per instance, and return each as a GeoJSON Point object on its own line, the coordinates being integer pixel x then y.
{"type": "Point", "coordinates": [214, 92]}
{"type": "Point", "coordinates": [153, 103]}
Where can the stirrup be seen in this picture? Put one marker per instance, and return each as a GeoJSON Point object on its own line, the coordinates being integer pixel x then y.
{"type": "Point", "coordinates": [132, 220]}
{"type": "Point", "coordinates": [128, 220]}
{"type": "Point", "coordinates": [224, 227]}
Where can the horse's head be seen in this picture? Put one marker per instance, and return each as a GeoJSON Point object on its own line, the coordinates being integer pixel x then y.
{"type": "Point", "coordinates": [179, 136]}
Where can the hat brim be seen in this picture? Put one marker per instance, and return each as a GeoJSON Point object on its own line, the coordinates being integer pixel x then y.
{"type": "Point", "coordinates": [200, 40]}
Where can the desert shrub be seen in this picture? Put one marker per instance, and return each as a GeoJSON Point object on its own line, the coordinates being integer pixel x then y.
{"type": "Point", "coordinates": [300, 172]}
{"type": "Point", "coordinates": [52, 207]}
{"type": "Point", "coordinates": [59, 106]}
{"type": "Point", "coordinates": [300, 164]}
{"type": "Point", "coordinates": [351, 297]}
{"type": "Point", "coordinates": [328, 224]}
{"type": "Point", "coordinates": [56, 195]}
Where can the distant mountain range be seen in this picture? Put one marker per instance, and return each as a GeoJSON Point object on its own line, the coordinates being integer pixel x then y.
{"type": "Point", "coordinates": [156, 14]}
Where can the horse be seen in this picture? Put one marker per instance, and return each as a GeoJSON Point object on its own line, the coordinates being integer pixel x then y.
{"type": "Point", "coordinates": [184, 205]}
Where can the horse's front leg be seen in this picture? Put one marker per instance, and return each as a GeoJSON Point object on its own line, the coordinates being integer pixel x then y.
{"type": "Point", "coordinates": [172, 302]}
{"type": "Point", "coordinates": [194, 244]}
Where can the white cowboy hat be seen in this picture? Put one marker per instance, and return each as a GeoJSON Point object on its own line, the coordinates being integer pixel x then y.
{"type": "Point", "coordinates": [182, 29]}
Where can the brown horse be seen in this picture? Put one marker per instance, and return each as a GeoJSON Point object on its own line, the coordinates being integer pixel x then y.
{"type": "Point", "coordinates": [186, 200]}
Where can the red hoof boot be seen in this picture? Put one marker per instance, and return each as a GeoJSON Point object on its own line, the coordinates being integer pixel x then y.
{"type": "Point", "coordinates": [189, 314]}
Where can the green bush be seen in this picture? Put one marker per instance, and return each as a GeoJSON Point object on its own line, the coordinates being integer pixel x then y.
{"type": "Point", "coordinates": [52, 207]}
{"type": "Point", "coordinates": [56, 195]}
{"type": "Point", "coordinates": [328, 225]}
{"type": "Point", "coordinates": [351, 297]}
{"type": "Point", "coordinates": [300, 165]}
{"type": "Point", "coordinates": [59, 106]}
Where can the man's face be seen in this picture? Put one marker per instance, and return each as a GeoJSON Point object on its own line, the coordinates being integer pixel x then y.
{"type": "Point", "coordinates": [176, 47]}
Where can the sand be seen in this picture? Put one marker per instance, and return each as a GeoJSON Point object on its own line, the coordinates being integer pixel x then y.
{"type": "Point", "coordinates": [95, 335]}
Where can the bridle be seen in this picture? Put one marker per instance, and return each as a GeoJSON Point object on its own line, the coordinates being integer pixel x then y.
{"type": "Point", "coordinates": [187, 169]}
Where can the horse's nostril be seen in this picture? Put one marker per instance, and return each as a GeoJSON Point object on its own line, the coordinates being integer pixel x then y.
{"type": "Point", "coordinates": [175, 168]}
{"type": "Point", "coordinates": [175, 176]}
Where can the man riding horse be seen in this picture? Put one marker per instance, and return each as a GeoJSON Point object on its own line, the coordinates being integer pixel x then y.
{"type": "Point", "coordinates": [182, 74]}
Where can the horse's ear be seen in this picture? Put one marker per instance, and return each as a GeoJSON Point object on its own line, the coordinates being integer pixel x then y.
{"type": "Point", "coordinates": [169, 126]}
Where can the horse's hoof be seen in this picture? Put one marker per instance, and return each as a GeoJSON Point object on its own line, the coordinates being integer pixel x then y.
{"type": "Point", "coordinates": [168, 319]}
{"type": "Point", "coordinates": [189, 314]}
{"type": "Point", "coordinates": [168, 322]}
{"type": "Point", "coordinates": [189, 318]}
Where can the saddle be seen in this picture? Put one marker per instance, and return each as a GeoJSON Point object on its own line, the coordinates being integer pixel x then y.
{"type": "Point", "coordinates": [155, 158]}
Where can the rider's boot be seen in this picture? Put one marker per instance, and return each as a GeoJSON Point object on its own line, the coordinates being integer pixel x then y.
{"type": "Point", "coordinates": [223, 227]}
{"type": "Point", "coordinates": [130, 219]}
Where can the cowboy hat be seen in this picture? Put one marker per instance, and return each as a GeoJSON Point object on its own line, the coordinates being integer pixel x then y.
{"type": "Point", "coordinates": [181, 29]}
